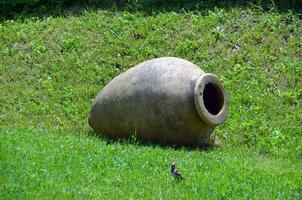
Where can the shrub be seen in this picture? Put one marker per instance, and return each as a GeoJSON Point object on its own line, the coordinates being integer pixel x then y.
{"type": "Point", "coordinates": [31, 5]}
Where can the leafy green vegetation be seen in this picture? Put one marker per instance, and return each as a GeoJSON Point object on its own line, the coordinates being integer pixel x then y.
{"type": "Point", "coordinates": [52, 67]}
{"type": "Point", "coordinates": [32, 6]}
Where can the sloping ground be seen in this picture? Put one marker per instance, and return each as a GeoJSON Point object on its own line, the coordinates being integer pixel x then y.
{"type": "Point", "coordinates": [52, 68]}
{"type": "Point", "coordinates": [39, 164]}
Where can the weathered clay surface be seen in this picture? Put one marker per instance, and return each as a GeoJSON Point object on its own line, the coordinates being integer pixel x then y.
{"type": "Point", "coordinates": [165, 100]}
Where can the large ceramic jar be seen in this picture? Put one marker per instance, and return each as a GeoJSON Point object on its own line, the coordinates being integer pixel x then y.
{"type": "Point", "coordinates": [167, 100]}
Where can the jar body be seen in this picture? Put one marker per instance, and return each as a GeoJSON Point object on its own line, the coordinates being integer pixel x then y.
{"type": "Point", "coordinates": [155, 101]}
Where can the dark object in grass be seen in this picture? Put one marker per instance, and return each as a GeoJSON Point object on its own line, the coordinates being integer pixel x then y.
{"type": "Point", "coordinates": [175, 173]}
{"type": "Point", "coordinates": [167, 100]}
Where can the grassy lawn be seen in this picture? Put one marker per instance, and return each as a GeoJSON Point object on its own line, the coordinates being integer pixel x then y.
{"type": "Point", "coordinates": [47, 164]}
{"type": "Point", "coordinates": [52, 67]}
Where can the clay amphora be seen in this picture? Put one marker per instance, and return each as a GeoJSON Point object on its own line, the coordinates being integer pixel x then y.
{"type": "Point", "coordinates": [166, 100]}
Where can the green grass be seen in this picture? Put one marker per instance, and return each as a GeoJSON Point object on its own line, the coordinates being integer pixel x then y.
{"type": "Point", "coordinates": [51, 69]}
{"type": "Point", "coordinates": [53, 165]}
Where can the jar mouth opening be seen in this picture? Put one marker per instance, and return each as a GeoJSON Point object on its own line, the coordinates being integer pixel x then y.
{"type": "Point", "coordinates": [211, 99]}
